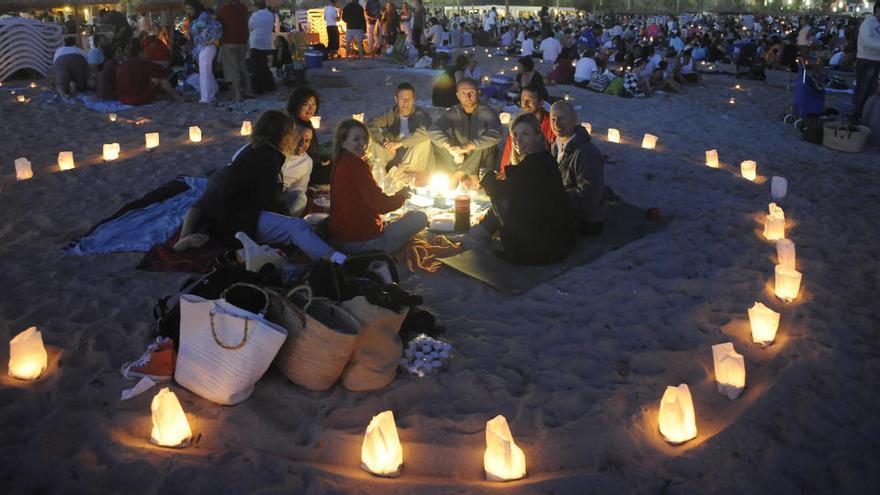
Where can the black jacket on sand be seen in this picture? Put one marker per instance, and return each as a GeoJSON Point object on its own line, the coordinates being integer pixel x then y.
{"type": "Point", "coordinates": [537, 226]}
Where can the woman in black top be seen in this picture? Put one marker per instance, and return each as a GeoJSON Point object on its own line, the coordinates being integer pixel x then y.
{"type": "Point", "coordinates": [530, 210]}
{"type": "Point", "coordinates": [528, 77]}
{"type": "Point", "coordinates": [249, 201]}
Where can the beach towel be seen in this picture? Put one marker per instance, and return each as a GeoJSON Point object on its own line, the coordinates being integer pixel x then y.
{"type": "Point", "coordinates": [103, 106]}
{"type": "Point", "coordinates": [139, 225]}
{"type": "Point", "coordinates": [626, 223]}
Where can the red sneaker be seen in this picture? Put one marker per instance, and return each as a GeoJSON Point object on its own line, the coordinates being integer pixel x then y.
{"type": "Point", "coordinates": [157, 362]}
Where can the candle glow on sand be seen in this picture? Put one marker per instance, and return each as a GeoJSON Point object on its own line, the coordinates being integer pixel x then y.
{"type": "Point", "coordinates": [27, 355]}
{"type": "Point", "coordinates": [677, 418]}
{"type": "Point", "coordinates": [381, 452]}
{"type": "Point", "coordinates": [764, 322]}
{"type": "Point", "coordinates": [170, 426]}
{"type": "Point", "coordinates": [613, 135]}
{"type": "Point", "coordinates": [503, 459]}
{"type": "Point", "coordinates": [65, 160]}
{"type": "Point", "coordinates": [195, 134]}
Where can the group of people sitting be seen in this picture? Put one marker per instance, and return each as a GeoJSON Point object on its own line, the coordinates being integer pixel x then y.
{"type": "Point", "coordinates": [547, 187]}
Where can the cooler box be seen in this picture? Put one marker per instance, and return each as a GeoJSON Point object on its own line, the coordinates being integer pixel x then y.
{"type": "Point", "coordinates": [314, 59]}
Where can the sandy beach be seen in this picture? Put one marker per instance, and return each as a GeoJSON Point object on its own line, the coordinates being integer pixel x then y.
{"type": "Point", "coordinates": [577, 365]}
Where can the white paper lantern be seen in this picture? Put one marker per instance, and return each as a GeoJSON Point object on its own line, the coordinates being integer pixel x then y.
{"type": "Point", "coordinates": [65, 160]}
{"type": "Point", "coordinates": [358, 116]}
{"type": "Point", "coordinates": [788, 283]}
{"type": "Point", "coordinates": [23, 169]}
{"type": "Point", "coordinates": [152, 140]}
{"type": "Point", "coordinates": [195, 134]}
{"type": "Point", "coordinates": [440, 184]}
{"type": "Point", "coordinates": [678, 421]}
{"type": "Point", "coordinates": [381, 453]}
{"type": "Point", "coordinates": [246, 128]}
{"type": "Point", "coordinates": [730, 370]}
{"type": "Point", "coordinates": [170, 426]}
{"type": "Point", "coordinates": [613, 135]}
{"type": "Point", "coordinates": [749, 170]}
{"type": "Point", "coordinates": [504, 117]}
{"type": "Point", "coordinates": [778, 187]}
{"type": "Point", "coordinates": [112, 117]}
{"type": "Point", "coordinates": [649, 142]}
{"type": "Point", "coordinates": [588, 127]}
{"type": "Point", "coordinates": [21, 98]}
{"type": "Point", "coordinates": [27, 355]}
{"type": "Point", "coordinates": [764, 323]}
{"type": "Point", "coordinates": [503, 459]}
{"type": "Point", "coordinates": [712, 158]}
{"type": "Point", "coordinates": [774, 223]}
{"type": "Point", "coordinates": [111, 152]}
{"type": "Point", "coordinates": [785, 253]}
{"type": "Point", "coordinates": [316, 122]}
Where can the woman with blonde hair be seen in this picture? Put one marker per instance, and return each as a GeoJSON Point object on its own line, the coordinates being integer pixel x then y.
{"type": "Point", "coordinates": [530, 211]}
{"type": "Point", "coordinates": [357, 201]}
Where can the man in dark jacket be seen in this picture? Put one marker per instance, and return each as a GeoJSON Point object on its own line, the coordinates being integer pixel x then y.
{"type": "Point", "coordinates": [355, 24]}
{"type": "Point", "coordinates": [581, 166]}
{"type": "Point", "coordinates": [400, 135]}
{"type": "Point", "coordinates": [468, 134]}
{"type": "Point", "coordinates": [373, 11]}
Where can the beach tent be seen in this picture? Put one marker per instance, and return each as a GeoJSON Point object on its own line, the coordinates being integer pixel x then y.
{"type": "Point", "coordinates": [27, 44]}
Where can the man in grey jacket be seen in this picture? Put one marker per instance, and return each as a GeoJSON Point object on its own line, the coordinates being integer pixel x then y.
{"type": "Point", "coordinates": [582, 168]}
{"type": "Point", "coordinates": [468, 134]}
{"type": "Point", "coordinates": [400, 135]}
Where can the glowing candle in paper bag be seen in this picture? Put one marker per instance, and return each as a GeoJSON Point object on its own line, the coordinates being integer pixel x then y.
{"type": "Point", "coordinates": [649, 141]}
{"type": "Point", "coordinates": [381, 453]}
{"type": "Point", "coordinates": [678, 422]}
{"type": "Point", "coordinates": [712, 158]}
{"type": "Point", "coordinates": [730, 370]}
{"type": "Point", "coordinates": [23, 169]}
{"type": "Point", "coordinates": [21, 98]}
{"type": "Point", "coordinates": [764, 322]}
{"type": "Point", "coordinates": [27, 356]}
{"type": "Point", "coordinates": [588, 127]}
{"type": "Point", "coordinates": [152, 140]}
{"type": "Point", "coordinates": [749, 170]}
{"type": "Point", "coordinates": [316, 122]}
{"type": "Point", "coordinates": [731, 101]}
{"type": "Point", "coordinates": [788, 283]}
{"type": "Point", "coordinates": [503, 460]}
{"type": "Point", "coordinates": [774, 223]}
{"type": "Point", "coordinates": [613, 135]}
{"type": "Point", "coordinates": [439, 184]}
{"type": "Point", "coordinates": [111, 152]}
{"type": "Point", "coordinates": [33, 85]}
{"type": "Point", "coordinates": [778, 187]}
{"type": "Point", "coordinates": [65, 160]}
{"type": "Point", "coordinates": [195, 134]}
{"type": "Point", "coordinates": [170, 427]}
{"type": "Point", "coordinates": [358, 116]}
{"type": "Point", "coordinates": [246, 128]}
{"type": "Point", "coordinates": [786, 253]}
{"type": "Point", "coordinates": [504, 117]}
{"type": "Point", "coordinates": [112, 117]}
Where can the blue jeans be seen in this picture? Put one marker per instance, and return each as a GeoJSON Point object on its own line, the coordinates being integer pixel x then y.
{"type": "Point", "coordinates": [394, 236]}
{"type": "Point", "coordinates": [273, 228]}
{"type": "Point", "coordinates": [867, 72]}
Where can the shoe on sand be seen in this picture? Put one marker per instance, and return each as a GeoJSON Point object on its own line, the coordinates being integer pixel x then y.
{"type": "Point", "coordinates": [157, 362]}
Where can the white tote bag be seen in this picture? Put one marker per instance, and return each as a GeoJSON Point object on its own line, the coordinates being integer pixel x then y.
{"type": "Point", "coordinates": [224, 349]}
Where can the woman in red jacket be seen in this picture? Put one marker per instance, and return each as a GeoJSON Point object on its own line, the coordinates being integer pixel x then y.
{"type": "Point", "coordinates": [356, 200]}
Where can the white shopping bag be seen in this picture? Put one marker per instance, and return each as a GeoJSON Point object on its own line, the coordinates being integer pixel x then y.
{"type": "Point", "coordinates": [224, 349]}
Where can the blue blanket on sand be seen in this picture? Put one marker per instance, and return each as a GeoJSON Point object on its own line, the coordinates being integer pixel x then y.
{"type": "Point", "coordinates": [141, 229]}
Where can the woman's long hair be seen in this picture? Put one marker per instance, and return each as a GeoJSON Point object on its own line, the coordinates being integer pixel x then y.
{"type": "Point", "coordinates": [341, 135]}
{"type": "Point", "coordinates": [276, 129]}
{"type": "Point", "coordinates": [530, 120]}
{"type": "Point", "coordinates": [298, 98]}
